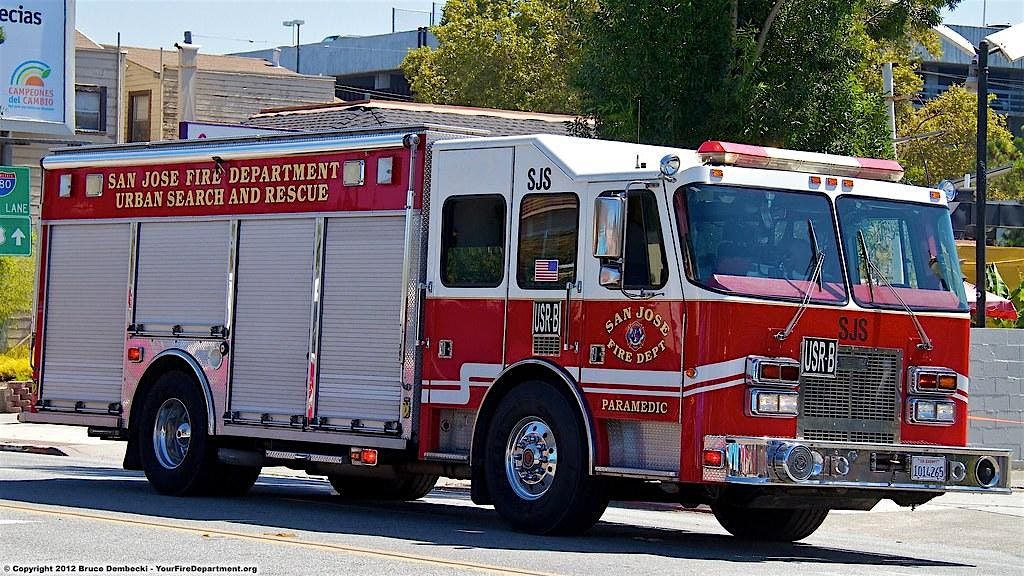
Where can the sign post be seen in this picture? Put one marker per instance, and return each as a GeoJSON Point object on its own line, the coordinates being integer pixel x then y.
{"type": "Point", "coordinates": [15, 220]}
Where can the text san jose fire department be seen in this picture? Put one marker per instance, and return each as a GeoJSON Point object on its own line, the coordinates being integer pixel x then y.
{"type": "Point", "coordinates": [298, 182]}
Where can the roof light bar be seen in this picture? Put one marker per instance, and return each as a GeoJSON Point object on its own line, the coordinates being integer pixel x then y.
{"type": "Point", "coordinates": [746, 155]}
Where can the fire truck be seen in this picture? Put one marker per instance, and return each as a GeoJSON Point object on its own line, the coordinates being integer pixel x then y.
{"type": "Point", "coordinates": [562, 321]}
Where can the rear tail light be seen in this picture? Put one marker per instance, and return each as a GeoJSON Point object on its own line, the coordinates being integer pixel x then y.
{"type": "Point", "coordinates": [135, 354]}
{"type": "Point", "coordinates": [930, 380]}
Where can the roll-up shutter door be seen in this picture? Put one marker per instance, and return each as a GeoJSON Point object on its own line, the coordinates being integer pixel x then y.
{"type": "Point", "coordinates": [272, 316]}
{"type": "Point", "coordinates": [360, 374]}
{"type": "Point", "coordinates": [182, 275]}
{"type": "Point", "coordinates": [87, 288]}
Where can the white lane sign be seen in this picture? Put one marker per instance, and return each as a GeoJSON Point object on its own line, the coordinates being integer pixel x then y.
{"type": "Point", "coordinates": [15, 218]}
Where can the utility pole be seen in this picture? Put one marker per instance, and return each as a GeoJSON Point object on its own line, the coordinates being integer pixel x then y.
{"type": "Point", "coordinates": [889, 93]}
{"type": "Point", "coordinates": [982, 181]}
{"type": "Point", "coordinates": [298, 42]}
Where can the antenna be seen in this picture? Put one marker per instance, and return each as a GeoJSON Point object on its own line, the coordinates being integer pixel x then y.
{"type": "Point", "coordinates": [637, 119]}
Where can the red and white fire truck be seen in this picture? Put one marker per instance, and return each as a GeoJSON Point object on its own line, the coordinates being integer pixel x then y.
{"type": "Point", "coordinates": [562, 321]}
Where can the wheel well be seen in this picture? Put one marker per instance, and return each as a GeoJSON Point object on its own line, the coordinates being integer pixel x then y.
{"type": "Point", "coordinates": [524, 372]}
{"type": "Point", "coordinates": [158, 368]}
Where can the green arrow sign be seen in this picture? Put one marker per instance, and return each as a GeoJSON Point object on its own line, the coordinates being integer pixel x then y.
{"type": "Point", "coordinates": [15, 219]}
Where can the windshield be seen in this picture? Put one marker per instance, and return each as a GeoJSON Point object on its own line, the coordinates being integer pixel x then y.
{"type": "Point", "coordinates": [910, 244]}
{"type": "Point", "coordinates": [759, 242]}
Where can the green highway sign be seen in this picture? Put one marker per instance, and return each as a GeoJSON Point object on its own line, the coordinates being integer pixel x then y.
{"type": "Point", "coordinates": [15, 219]}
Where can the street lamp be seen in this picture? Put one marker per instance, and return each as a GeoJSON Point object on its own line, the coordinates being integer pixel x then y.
{"type": "Point", "coordinates": [1010, 43]}
{"type": "Point", "coordinates": [298, 39]}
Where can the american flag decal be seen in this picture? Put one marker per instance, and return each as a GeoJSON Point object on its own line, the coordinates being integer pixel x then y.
{"type": "Point", "coordinates": [545, 270]}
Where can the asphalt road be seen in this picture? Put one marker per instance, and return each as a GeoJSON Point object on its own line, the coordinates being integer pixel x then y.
{"type": "Point", "coordinates": [83, 511]}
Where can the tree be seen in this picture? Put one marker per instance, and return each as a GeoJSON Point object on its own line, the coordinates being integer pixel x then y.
{"type": "Point", "coordinates": [951, 154]}
{"type": "Point", "coordinates": [513, 54]}
{"type": "Point", "coordinates": [775, 72]}
{"type": "Point", "coordinates": [16, 278]}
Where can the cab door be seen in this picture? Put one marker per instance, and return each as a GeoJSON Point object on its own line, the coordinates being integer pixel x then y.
{"type": "Point", "coordinates": [545, 311]}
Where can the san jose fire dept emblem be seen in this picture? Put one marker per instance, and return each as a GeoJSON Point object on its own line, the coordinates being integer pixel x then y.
{"type": "Point", "coordinates": [627, 333]}
{"type": "Point", "coordinates": [635, 335]}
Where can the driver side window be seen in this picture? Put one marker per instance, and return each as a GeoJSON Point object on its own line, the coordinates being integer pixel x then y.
{"type": "Point", "coordinates": [646, 266]}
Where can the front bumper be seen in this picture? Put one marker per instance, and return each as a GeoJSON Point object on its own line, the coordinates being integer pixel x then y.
{"type": "Point", "coordinates": [823, 464]}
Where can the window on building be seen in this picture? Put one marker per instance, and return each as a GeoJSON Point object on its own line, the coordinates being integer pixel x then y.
{"type": "Point", "coordinates": [139, 104]}
{"type": "Point", "coordinates": [90, 107]}
{"type": "Point", "coordinates": [473, 241]}
{"type": "Point", "coordinates": [548, 229]}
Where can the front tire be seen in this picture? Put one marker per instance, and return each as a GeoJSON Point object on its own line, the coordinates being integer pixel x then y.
{"type": "Point", "coordinates": [535, 463]}
{"type": "Point", "coordinates": [769, 524]}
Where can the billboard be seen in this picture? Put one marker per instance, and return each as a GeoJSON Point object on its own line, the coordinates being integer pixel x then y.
{"type": "Point", "coordinates": [37, 57]}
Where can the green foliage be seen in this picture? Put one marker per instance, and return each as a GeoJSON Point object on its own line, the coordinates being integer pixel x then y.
{"type": "Point", "coordinates": [775, 72]}
{"type": "Point", "coordinates": [16, 281]}
{"type": "Point", "coordinates": [14, 365]}
{"type": "Point", "coordinates": [474, 265]}
{"type": "Point", "coordinates": [994, 283]}
{"type": "Point", "coordinates": [513, 54]}
{"type": "Point", "coordinates": [951, 154]}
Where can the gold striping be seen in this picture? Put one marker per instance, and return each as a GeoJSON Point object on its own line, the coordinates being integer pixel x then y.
{"type": "Point", "coordinates": [285, 539]}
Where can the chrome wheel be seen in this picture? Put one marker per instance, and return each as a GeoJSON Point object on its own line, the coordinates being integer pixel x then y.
{"type": "Point", "coordinates": [531, 459]}
{"type": "Point", "coordinates": [172, 433]}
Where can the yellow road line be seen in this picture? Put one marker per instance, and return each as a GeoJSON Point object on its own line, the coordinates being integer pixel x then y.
{"type": "Point", "coordinates": [287, 540]}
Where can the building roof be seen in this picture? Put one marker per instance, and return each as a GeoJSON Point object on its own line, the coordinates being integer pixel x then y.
{"type": "Point", "coordinates": [151, 58]}
{"type": "Point", "coordinates": [375, 114]}
{"type": "Point", "coordinates": [83, 41]}
{"type": "Point", "coordinates": [974, 35]}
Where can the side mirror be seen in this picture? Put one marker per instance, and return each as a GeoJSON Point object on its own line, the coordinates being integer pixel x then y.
{"type": "Point", "coordinates": [609, 213]}
{"type": "Point", "coordinates": [610, 275]}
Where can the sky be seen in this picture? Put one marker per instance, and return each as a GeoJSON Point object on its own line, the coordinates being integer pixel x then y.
{"type": "Point", "coordinates": [224, 26]}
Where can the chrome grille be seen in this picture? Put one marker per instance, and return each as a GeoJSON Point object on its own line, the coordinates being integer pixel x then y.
{"type": "Point", "coordinates": [861, 404]}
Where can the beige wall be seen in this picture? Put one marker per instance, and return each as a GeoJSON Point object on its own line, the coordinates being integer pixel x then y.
{"type": "Point", "coordinates": [140, 79]}
{"type": "Point", "coordinates": [231, 98]}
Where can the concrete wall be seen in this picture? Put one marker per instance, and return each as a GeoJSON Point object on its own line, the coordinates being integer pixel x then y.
{"type": "Point", "coordinates": [347, 56]}
{"type": "Point", "coordinates": [997, 389]}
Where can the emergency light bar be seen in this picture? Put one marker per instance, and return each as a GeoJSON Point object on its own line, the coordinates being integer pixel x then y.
{"type": "Point", "coordinates": [746, 155]}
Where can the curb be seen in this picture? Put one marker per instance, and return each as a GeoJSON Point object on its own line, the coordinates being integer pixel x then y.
{"type": "Point", "coordinates": [29, 449]}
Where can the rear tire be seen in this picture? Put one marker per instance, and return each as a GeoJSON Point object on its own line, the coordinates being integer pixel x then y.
{"type": "Point", "coordinates": [405, 487]}
{"type": "Point", "coordinates": [535, 463]}
{"type": "Point", "coordinates": [177, 454]}
{"type": "Point", "coordinates": [769, 524]}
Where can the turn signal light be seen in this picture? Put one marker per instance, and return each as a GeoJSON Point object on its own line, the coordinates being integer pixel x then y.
{"type": "Point", "coordinates": [135, 354]}
{"type": "Point", "coordinates": [772, 371]}
{"type": "Point", "coordinates": [364, 456]}
{"type": "Point", "coordinates": [714, 458]}
{"type": "Point", "coordinates": [934, 380]}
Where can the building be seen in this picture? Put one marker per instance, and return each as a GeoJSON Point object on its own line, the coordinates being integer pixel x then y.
{"type": "Point", "coordinates": [1006, 80]}
{"type": "Point", "coordinates": [229, 89]}
{"type": "Point", "coordinates": [381, 114]}
{"type": "Point", "coordinates": [364, 67]}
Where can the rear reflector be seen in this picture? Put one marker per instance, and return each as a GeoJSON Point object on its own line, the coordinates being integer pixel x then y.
{"type": "Point", "coordinates": [717, 152]}
{"type": "Point", "coordinates": [135, 354]}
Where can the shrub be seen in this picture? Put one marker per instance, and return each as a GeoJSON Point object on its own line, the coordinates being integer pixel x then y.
{"type": "Point", "coordinates": [14, 365]}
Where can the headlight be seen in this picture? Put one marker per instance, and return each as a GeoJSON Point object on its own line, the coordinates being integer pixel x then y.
{"type": "Point", "coordinates": [773, 403]}
{"type": "Point", "coordinates": [924, 411]}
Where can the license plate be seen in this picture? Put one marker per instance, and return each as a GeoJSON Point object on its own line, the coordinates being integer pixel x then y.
{"type": "Point", "coordinates": [818, 357]}
{"type": "Point", "coordinates": [928, 468]}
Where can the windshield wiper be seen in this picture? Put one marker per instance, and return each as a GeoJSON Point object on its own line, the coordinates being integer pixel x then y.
{"type": "Point", "coordinates": [870, 267]}
{"type": "Point", "coordinates": [815, 266]}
